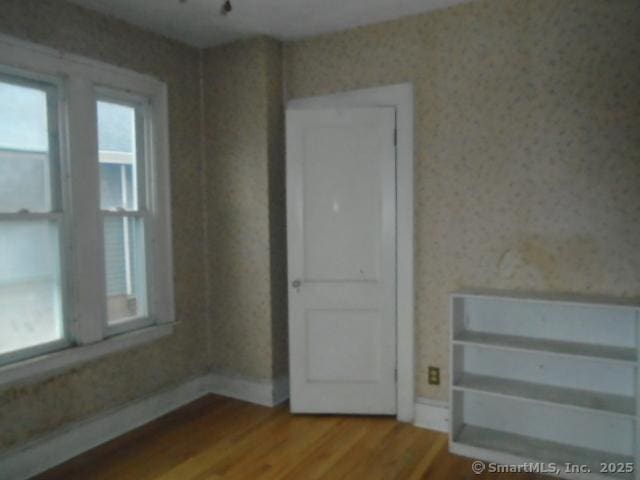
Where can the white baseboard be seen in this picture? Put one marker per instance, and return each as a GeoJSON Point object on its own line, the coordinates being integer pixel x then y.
{"type": "Point", "coordinates": [267, 393]}
{"type": "Point", "coordinates": [46, 452]}
{"type": "Point", "coordinates": [431, 414]}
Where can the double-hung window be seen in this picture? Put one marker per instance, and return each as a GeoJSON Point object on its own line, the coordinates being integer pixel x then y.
{"type": "Point", "coordinates": [32, 306]}
{"type": "Point", "coordinates": [123, 160]}
{"type": "Point", "coordinates": [85, 246]}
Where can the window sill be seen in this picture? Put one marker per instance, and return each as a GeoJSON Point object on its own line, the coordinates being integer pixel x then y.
{"type": "Point", "coordinates": [38, 368]}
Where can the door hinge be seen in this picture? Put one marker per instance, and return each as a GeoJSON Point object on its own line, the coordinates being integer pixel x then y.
{"type": "Point", "coordinates": [395, 374]}
{"type": "Point", "coordinates": [395, 137]}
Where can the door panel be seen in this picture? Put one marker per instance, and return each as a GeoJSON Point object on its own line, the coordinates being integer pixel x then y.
{"type": "Point", "coordinates": [341, 234]}
{"type": "Point", "coordinates": [342, 345]}
{"type": "Point", "coordinates": [341, 222]}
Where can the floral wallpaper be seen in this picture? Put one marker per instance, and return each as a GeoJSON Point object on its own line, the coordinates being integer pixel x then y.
{"type": "Point", "coordinates": [229, 232]}
{"type": "Point", "coordinates": [246, 232]}
{"type": "Point", "coordinates": [32, 409]}
{"type": "Point", "coordinates": [527, 145]}
{"type": "Point", "coordinates": [527, 175]}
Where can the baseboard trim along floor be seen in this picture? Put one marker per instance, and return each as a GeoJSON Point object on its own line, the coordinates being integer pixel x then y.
{"type": "Point", "coordinates": [46, 452]}
{"type": "Point", "coordinates": [431, 414]}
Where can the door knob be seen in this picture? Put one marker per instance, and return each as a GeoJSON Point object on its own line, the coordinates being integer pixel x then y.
{"type": "Point", "coordinates": [296, 284]}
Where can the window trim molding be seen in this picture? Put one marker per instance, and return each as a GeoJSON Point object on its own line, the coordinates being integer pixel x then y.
{"type": "Point", "coordinates": [53, 87]}
{"type": "Point", "coordinates": [80, 79]}
{"type": "Point", "coordinates": [146, 191]}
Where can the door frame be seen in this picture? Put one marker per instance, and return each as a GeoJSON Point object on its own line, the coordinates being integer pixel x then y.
{"type": "Point", "coordinates": [401, 97]}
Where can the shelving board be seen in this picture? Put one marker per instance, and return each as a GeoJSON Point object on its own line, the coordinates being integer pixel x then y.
{"type": "Point", "coordinates": [534, 392]}
{"type": "Point", "coordinates": [473, 441]}
{"type": "Point", "coordinates": [555, 347]}
{"type": "Point", "coordinates": [578, 300]}
{"type": "Point", "coordinates": [549, 380]}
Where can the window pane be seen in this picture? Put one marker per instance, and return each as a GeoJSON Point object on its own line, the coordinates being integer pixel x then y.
{"type": "Point", "coordinates": [118, 156]}
{"type": "Point", "coordinates": [25, 179]}
{"type": "Point", "coordinates": [30, 287]}
{"type": "Point", "coordinates": [125, 268]}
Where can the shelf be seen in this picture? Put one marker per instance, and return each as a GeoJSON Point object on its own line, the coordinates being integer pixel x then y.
{"type": "Point", "coordinates": [567, 399]}
{"type": "Point", "coordinates": [532, 449]}
{"type": "Point", "coordinates": [556, 347]}
{"type": "Point", "coordinates": [597, 301]}
{"type": "Point", "coordinates": [536, 392]}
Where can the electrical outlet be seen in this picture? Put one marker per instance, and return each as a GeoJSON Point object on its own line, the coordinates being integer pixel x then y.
{"type": "Point", "coordinates": [434, 375]}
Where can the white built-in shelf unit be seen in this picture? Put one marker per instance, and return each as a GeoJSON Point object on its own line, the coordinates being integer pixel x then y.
{"type": "Point", "coordinates": [546, 379]}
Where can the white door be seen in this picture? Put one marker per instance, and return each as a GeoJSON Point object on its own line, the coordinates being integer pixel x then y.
{"type": "Point", "coordinates": [341, 218]}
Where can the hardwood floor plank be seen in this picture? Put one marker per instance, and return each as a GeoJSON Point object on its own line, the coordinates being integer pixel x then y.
{"type": "Point", "coordinates": [390, 456]}
{"type": "Point", "coordinates": [300, 438]}
{"type": "Point", "coordinates": [219, 456]}
{"type": "Point", "coordinates": [437, 446]}
{"type": "Point", "coordinates": [330, 449]}
{"type": "Point", "coordinates": [216, 438]}
{"type": "Point", "coordinates": [361, 452]}
{"type": "Point", "coordinates": [152, 458]}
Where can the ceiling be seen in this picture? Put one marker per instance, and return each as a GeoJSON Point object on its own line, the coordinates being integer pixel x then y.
{"type": "Point", "coordinates": [199, 22]}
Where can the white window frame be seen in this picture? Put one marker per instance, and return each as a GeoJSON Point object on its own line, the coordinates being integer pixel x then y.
{"type": "Point", "coordinates": [144, 109]}
{"type": "Point", "coordinates": [58, 206]}
{"type": "Point", "coordinates": [81, 82]}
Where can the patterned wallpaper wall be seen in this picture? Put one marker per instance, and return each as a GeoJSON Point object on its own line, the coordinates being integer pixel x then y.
{"type": "Point", "coordinates": [33, 409]}
{"type": "Point", "coordinates": [246, 253]}
{"type": "Point", "coordinates": [277, 211]}
{"type": "Point", "coordinates": [527, 175]}
{"type": "Point", "coordinates": [233, 315]}
{"type": "Point", "coordinates": [527, 144]}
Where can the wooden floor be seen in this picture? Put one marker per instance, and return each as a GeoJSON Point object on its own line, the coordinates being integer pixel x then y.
{"type": "Point", "coordinates": [219, 438]}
